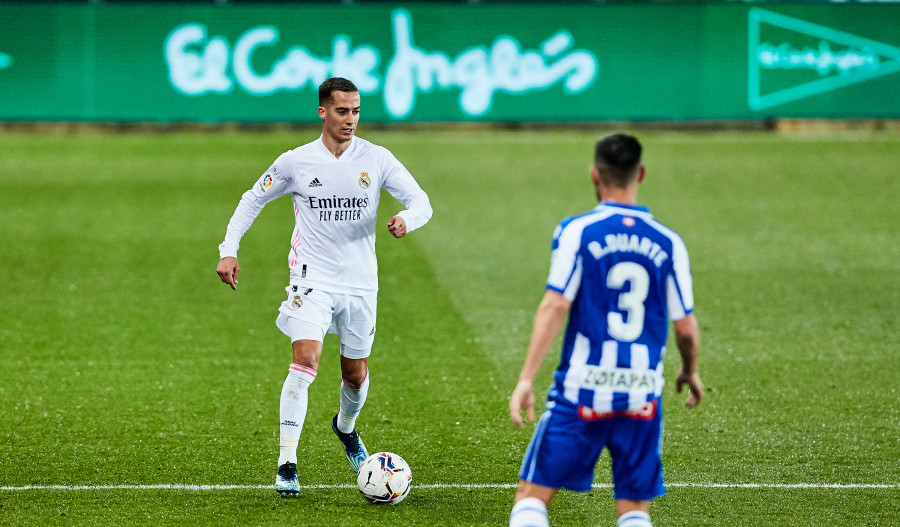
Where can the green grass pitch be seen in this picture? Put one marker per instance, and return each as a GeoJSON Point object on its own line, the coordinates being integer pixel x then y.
{"type": "Point", "coordinates": [124, 361]}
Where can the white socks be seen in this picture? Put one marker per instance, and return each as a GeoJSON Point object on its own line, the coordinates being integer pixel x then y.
{"type": "Point", "coordinates": [294, 400]}
{"type": "Point", "coordinates": [529, 512]}
{"type": "Point", "coordinates": [532, 512]}
{"type": "Point", "coordinates": [352, 401]}
{"type": "Point", "coordinates": [634, 519]}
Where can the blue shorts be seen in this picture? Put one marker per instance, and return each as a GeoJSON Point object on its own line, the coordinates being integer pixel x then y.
{"type": "Point", "coordinates": [565, 448]}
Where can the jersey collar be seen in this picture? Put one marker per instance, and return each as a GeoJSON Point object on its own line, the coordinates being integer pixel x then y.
{"type": "Point", "coordinates": [349, 148]}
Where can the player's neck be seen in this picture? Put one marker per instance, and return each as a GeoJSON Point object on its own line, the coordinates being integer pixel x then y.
{"type": "Point", "coordinates": [617, 195]}
{"type": "Point", "coordinates": [335, 147]}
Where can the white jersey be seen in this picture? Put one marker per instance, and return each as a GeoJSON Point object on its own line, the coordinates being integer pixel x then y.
{"type": "Point", "coordinates": [335, 203]}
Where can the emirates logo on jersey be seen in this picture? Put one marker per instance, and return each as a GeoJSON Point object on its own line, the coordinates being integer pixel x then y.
{"type": "Point", "coordinates": [364, 180]}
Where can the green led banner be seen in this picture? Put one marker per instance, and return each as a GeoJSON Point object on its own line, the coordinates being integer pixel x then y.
{"type": "Point", "coordinates": [173, 62]}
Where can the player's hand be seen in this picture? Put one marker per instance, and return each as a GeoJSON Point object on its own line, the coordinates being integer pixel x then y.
{"type": "Point", "coordinates": [228, 270]}
{"type": "Point", "coordinates": [692, 380]}
{"type": "Point", "coordinates": [522, 398]}
{"type": "Point", "coordinates": [397, 226]}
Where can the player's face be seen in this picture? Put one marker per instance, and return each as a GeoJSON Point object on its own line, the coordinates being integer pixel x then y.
{"type": "Point", "coordinates": [339, 118]}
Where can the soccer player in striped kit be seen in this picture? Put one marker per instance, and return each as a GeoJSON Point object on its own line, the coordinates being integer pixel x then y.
{"type": "Point", "coordinates": [335, 184]}
{"type": "Point", "coordinates": [620, 276]}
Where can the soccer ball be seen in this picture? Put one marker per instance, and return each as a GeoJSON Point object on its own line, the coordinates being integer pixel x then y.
{"type": "Point", "coordinates": [384, 478]}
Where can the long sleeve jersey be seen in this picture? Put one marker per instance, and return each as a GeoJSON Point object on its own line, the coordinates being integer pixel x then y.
{"type": "Point", "coordinates": [335, 202]}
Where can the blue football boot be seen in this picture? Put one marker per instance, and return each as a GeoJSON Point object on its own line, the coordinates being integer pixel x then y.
{"type": "Point", "coordinates": [353, 446]}
{"type": "Point", "coordinates": [286, 483]}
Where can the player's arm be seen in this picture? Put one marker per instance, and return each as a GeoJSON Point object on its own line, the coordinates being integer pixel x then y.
{"type": "Point", "coordinates": [687, 337]}
{"type": "Point", "coordinates": [418, 212]}
{"type": "Point", "coordinates": [403, 187]}
{"type": "Point", "coordinates": [680, 301]}
{"type": "Point", "coordinates": [551, 315]}
{"type": "Point", "coordinates": [273, 184]}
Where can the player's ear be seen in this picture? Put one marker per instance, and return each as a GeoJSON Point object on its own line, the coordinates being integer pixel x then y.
{"type": "Point", "coordinates": [595, 175]}
{"type": "Point", "coordinates": [322, 113]}
{"type": "Point", "coordinates": [642, 172]}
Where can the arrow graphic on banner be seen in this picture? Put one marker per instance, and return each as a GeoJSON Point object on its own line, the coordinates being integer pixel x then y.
{"type": "Point", "coordinates": [5, 60]}
{"type": "Point", "coordinates": [863, 60]}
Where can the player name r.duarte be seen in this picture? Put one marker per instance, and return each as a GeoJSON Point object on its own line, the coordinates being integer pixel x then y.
{"type": "Point", "coordinates": [335, 202]}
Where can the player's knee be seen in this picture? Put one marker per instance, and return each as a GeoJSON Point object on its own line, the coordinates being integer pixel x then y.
{"type": "Point", "coordinates": [356, 379]}
{"type": "Point", "coordinates": [305, 360]}
{"type": "Point", "coordinates": [354, 367]}
{"type": "Point", "coordinates": [306, 355]}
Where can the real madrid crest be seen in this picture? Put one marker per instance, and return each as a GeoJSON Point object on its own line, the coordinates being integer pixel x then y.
{"type": "Point", "coordinates": [298, 301]}
{"type": "Point", "coordinates": [364, 180]}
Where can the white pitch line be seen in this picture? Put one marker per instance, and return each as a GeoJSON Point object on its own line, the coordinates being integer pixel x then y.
{"type": "Point", "coordinates": [499, 486]}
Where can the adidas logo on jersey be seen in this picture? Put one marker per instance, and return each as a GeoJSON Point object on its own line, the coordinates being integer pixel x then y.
{"type": "Point", "coordinates": [315, 183]}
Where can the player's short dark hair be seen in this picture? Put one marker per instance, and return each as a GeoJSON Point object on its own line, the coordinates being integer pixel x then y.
{"type": "Point", "coordinates": [332, 85]}
{"type": "Point", "coordinates": [617, 158]}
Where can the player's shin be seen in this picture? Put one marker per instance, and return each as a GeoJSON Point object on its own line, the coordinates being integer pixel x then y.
{"type": "Point", "coordinates": [352, 401]}
{"type": "Point", "coordinates": [294, 401]}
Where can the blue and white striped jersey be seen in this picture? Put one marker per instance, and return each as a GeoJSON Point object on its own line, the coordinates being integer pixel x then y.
{"type": "Point", "coordinates": [627, 275]}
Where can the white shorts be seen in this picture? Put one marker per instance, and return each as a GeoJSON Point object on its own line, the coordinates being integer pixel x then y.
{"type": "Point", "coordinates": [308, 314]}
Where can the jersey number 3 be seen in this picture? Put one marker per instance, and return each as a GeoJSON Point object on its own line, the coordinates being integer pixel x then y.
{"type": "Point", "coordinates": [628, 327]}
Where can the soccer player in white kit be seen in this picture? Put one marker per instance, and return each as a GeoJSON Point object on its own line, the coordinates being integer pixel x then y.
{"type": "Point", "coordinates": [620, 276]}
{"type": "Point", "coordinates": [335, 184]}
